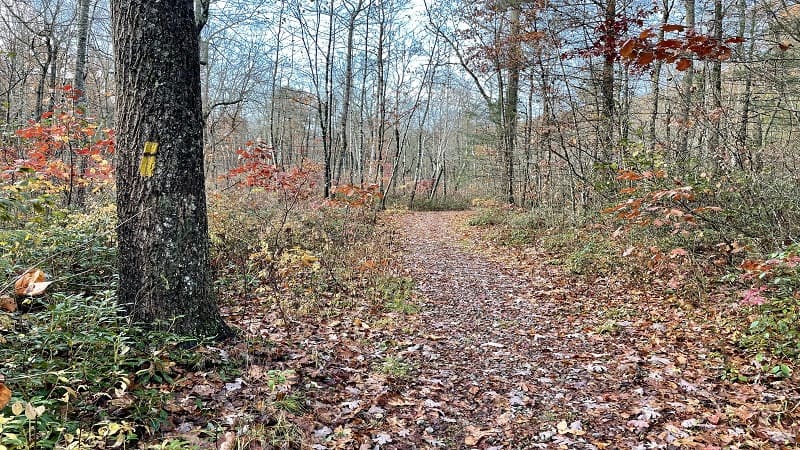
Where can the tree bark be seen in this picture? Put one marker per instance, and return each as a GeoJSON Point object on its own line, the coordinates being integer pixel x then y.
{"type": "Point", "coordinates": [682, 152]}
{"type": "Point", "coordinates": [165, 278]}
{"type": "Point", "coordinates": [716, 89]}
{"type": "Point", "coordinates": [348, 89]}
{"type": "Point", "coordinates": [84, 6]}
{"type": "Point", "coordinates": [656, 77]}
{"type": "Point", "coordinates": [510, 106]}
{"type": "Point", "coordinates": [607, 82]}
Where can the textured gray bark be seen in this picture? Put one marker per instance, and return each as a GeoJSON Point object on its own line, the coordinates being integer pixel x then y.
{"type": "Point", "coordinates": [607, 84]}
{"type": "Point", "coordinates": [510, 106]}
{"type": "Point", "coordinates": [656, 77]}
{"type": "Point", "coordinates": [77, 194]}
{"type": "Point", "coordinates": [716, 88]}
{"type": "Point", "coordinates": [165, 277]}
{"type": "Point", "coordinates": [682, 152]}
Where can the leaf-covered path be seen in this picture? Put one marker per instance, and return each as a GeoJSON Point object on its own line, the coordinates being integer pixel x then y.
{"type": "Point", "coordinates": [528, 357]}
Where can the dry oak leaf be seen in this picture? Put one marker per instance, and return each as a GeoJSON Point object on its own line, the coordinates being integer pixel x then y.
{"type": "Point", "coordinates": [7, 303]}
{"type": "Point", "coordinates": [475, 434]}
{"type": "Point", "coordinates": [5, 395]}
{"type": "Point", "coordinates": [31, 283]}
{"type": "Point", "coordinates": [227, 441]}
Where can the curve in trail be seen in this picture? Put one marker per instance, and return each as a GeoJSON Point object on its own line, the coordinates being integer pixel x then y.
{"type": "Point", "coordinates": [506, 359]}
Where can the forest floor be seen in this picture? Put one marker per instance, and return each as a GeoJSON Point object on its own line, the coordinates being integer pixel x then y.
{"type": "Point", "coordinates": [501, 349]}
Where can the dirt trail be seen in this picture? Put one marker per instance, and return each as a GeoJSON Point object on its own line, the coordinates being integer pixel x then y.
{"type": "Point", "coordinates": [517, 358]}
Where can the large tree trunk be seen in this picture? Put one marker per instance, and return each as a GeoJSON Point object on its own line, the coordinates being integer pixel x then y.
{"type": "Point", "coordinates": [164, 270]}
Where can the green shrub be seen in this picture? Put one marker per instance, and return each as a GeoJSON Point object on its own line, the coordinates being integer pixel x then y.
{"type": "Point", "coordinates": [489, 217]}
{"type": "Point", "coordinates": [76, 250]}
{"type": "Point", "coordinates": [396, 294]}
{"type": "Point", "coordinates": [86, 374]}
{"type": "Point", "coordinates": [596, 257]}
{"type": "Point", "coordinates": [776, 329]}
{"type": "Point", "coordinates": [441, 204]}
{"type": "Point", "coordinates": [775, 283]}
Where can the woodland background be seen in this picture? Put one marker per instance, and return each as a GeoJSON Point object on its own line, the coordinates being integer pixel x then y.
{"type": "Point", "coordinates": [649, 142]}
{"type": "Point", "coordinates": [534, 102]}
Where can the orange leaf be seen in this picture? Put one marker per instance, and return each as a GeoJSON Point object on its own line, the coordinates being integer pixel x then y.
{"type": "Point", "coordinates": [7, 303]}
{"type": "Point", "coordinates": [627, 48]}
{"type": "Point", "coordinates": [645, 58]}
{"type": "Point", "coordinates": [5, 395]}
{"type": "Point", "coordinates": [677, 252]}
{"type": "Point", "coordinates": [672, 27]}
{"type": "Point", "coordinates": [629, 175]}
{"type": "Point", "coordinates": [25, 283]}
{"type": "Point", "coordinates": [683, 64]}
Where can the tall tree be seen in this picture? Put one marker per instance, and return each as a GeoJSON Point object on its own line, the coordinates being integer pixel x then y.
{"type": "Point", "coordinates": [80, 87]}
{"type": "Point", "coordinates": [165, 276]}
{"type": "Point", "coordinates": [716, 86]}
{"type": "Point", "coordinates": [682, 152]}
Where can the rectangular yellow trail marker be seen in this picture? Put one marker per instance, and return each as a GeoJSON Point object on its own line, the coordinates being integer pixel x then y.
{"type": "Point", "coordinates": [148, 164]}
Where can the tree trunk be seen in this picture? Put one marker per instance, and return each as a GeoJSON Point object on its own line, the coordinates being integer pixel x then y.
{"type": "Point", "coordinates": [743, 151]}
{"type": "Point", "coordinates": [381, 119]}
{"type": "Point", "coordinates": [79, 198]}
{"type": "Point", "coordinates": [510, 106]}
{"type": "Point", "coordinates": [656, 77]}
{"type": "Point", "coordinates": [716, 90]}
{"type": "Point", "coordinates": [607, 82]}
{"type": "Point", "coordinates": [348, 89]}
{"type": "Point", "coordinates": [682, 152]}
{"type": "Point", "coordinates": [165, 277]}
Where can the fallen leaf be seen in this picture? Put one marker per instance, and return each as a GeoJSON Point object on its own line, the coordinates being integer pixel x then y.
{"type": "Point", "coordinates": [27, 280]}
{"type": "Point", "coordinates": [382, 439]}
{"type": "Point", "coordinates": [227, 441]}
{"type": "Point", "coordinates": [204, 390]}
{"type": "Point", "coordinates": [475, 434]}
{"type": "Point", "coordinates": [492, 344]}
{"type": "Point", "coordinates": [5, 395]}
{"type": "Point", "coordinates": [7, 303]}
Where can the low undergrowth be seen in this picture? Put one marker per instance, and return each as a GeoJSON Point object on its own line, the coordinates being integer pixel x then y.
{"type": "Point", "coordinates": [695, 260]}
{"type": "Point", "coordinates": [82, 376]}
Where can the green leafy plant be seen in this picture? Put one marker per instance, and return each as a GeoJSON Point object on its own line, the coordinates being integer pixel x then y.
{"type": "Point", "coordinates": [395, 367]}
{"type": "Point", "coordinates": [88, 375]}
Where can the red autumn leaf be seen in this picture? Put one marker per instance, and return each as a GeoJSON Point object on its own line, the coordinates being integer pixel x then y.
{"type": "Point", "coordinates": [645, 58]}
{"type": "Point", "coordinates": [668, 27]}
{"type": "Point", "coordinates": [646, 34]}
{"type": "Point", "coordinates": [627, 49]}
{"type": "Point", "coordinates": [670, 44]}
{"type": "Point", "coordinates": [683, 64]}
